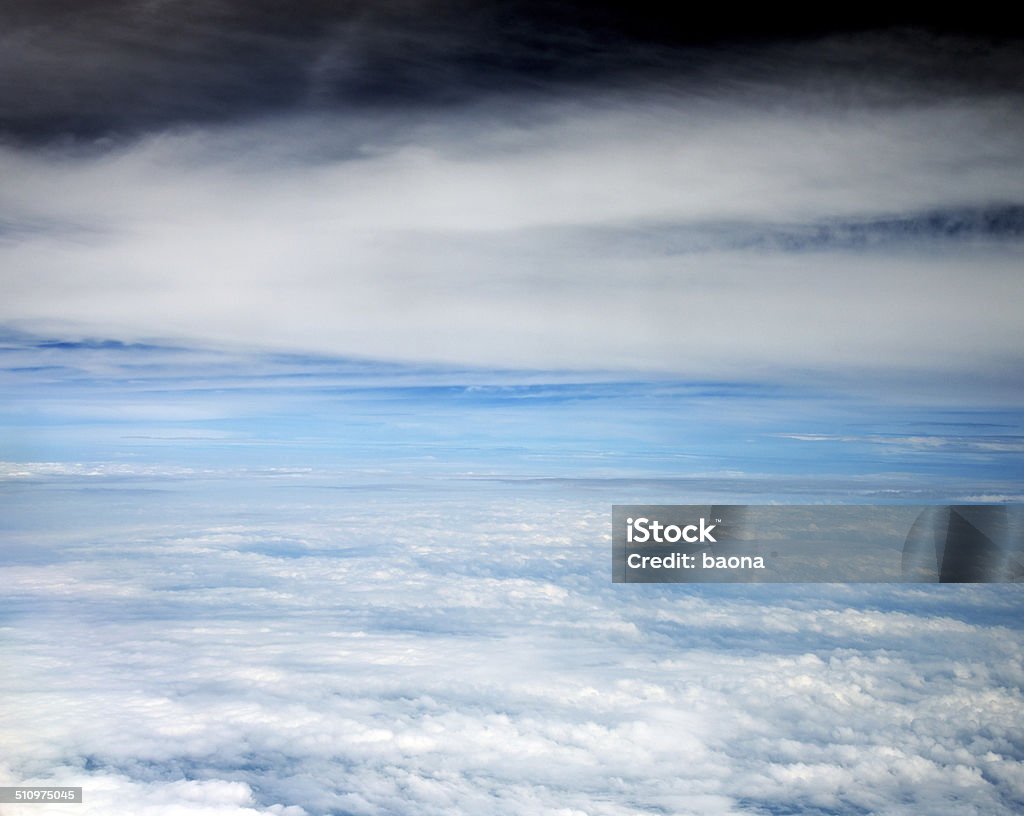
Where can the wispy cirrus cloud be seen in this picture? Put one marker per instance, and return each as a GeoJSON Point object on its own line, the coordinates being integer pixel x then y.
{"type": "Point", "coordinates": [967, 443]}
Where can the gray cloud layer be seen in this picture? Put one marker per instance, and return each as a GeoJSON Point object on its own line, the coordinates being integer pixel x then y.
{"type": "Point", "coordinates": [751, 229]}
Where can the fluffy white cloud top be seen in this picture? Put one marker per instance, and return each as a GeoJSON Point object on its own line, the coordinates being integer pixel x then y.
{"type": "Point", "coordinates": [465, 652]}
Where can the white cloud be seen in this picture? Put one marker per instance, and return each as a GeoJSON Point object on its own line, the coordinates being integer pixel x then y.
{"type": "Point", "coordinates": [490, 237]}
{"type": "Point", "coordinates": [460, 657]}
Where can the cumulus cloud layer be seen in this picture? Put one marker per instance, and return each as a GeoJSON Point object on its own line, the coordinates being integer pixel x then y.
{"type": "Point", "coordinates": [462, 652]}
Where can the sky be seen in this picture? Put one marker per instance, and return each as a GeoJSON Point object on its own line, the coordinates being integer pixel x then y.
{"type": "Point", "coordinates": [329, 336]}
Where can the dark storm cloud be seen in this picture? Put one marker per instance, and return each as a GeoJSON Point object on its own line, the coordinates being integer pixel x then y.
{"type": "Point", "coordinates": [85, 70]}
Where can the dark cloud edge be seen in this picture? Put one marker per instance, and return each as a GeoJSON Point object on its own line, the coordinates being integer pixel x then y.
{"type": "Point", "coordinates": [115, 70]}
